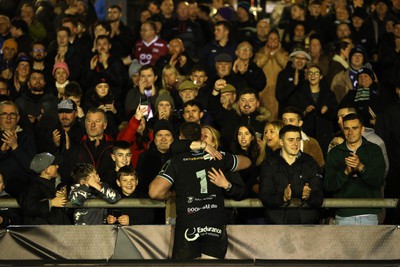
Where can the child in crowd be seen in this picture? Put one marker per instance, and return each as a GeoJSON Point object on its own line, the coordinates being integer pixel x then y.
{"type": "Point", "coordinates": [7, 216]}
{"type": "Point", "coordinates": [127, 181]}
{"type": "Point", "coordinates": [121, 155]}
{"type": "Point", "coordinates": [87, 185]}
{"type": "Point", "coordinates": [44, 201]}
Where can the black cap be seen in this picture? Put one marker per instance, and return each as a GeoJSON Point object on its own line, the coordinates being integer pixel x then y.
{"type": "Point", "coordinates": [163, 125]}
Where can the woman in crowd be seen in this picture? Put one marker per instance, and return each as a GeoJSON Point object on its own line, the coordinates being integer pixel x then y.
{"type": "Point", "coordinates": [245, 143]}
{"type": "Point", "coordinates": [61, 75]}
{"type": "Point", "coordinates": [102, 97]}
{"type": "Point", "coordinates": [270, 141]}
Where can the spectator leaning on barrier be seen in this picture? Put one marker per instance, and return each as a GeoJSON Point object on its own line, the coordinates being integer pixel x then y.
{"type": "Point", "coordinates": [355, 169]}
{"type": "Point", "coordinates": [44, 201]}
{"type": "Point", "coordinates": [288, 174]}
{"type": "Point", "coordinates": [86, 186]}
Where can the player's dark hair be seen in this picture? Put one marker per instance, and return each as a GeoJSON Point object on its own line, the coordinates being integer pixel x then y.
{"type": "Point", "coordinates": [191, 131]}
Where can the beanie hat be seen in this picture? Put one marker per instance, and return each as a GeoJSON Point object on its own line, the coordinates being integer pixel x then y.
{"type": "Point", "coordinates": [61, 65]}
{"type": "Point", "coordinates": [163, 125]}
{"type": "Point", "coordinates": [245, 5]}
{"type": "Point", "coordinates": [164, 95]}
{"type": "Point", "coordinates": [357, 49]}
{"type": "Point", "coordinates": [22, 57]}
{"type": "Point", "coordinates": [367, 71]}
{"type": "Point", "coordinates": [360, 12]}
{"type": "Point", "coordinates": [226, 13]}
{"type": "Point", "coordinates": [11, 44]}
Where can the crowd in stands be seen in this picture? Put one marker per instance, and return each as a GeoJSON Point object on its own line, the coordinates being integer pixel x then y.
{"type": "Point", "coordinates": [91, 107]}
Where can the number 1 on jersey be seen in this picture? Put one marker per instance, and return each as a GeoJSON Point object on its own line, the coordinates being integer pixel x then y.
{"type": "Point", "coordinates": [203, 181]}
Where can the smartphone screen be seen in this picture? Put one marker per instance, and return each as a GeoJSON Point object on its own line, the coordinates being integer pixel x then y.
{"type": "Point", "coordinates": [144, 103]}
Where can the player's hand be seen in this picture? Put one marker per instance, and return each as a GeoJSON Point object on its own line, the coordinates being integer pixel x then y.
{"type": "Point", "coordinates": [214, 153]}
{"type": "Point", "coordinates": [306, 191]}
{"type": "Point", "coordinates": [218, 178]}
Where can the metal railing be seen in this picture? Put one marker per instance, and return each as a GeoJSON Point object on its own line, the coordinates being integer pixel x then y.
{"type": "Point", "coordinates": [246, 203]}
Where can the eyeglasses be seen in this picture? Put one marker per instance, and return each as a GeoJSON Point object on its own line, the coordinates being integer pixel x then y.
{"type": "Point", "coordinates": [38, 50]}
{"type": "Point", "coordinates": [5, 115]}
{"type": "Point", "coordinates": [245, 48]}
{"type": "Point", "coordinates": [314, 73]}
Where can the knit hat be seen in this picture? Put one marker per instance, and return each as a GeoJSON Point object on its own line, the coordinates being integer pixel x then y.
{"type": "Point", "coordinates": [134, 68]}
{"type": "Point", "coordinates": [163, 125]}
{"type": "Point", "coordinates": [357, 49]}
{"type": "Point", "coordinates": [223, 58]}
{"type": "Point", "coordinates": [360, 12]}
{"type": "Point", "coordinates": [226, 13]}
{"type": "Point", "coordinates": [101, 78]}
{"type": "Point", "coordinates": [42, 161]}
{"type": "Point", "coordinates": [22, 57]}
{"type": "Point", "coordinates": [61, 65]}
{"type": "Point", "coordinates": [66, 106]}
{"type": "Point", "coordinates": [367, 71]}
{"type": "Point", "coordinates": [164, 95]}
{"type": "Point", "coordinates": [228, 88]}
{"type": "Point", "coordinates": [245, 5]}
{"type": "Point", "coordinates": [11, 44]}
{"type": "Point", "coordinates": [300, 51]}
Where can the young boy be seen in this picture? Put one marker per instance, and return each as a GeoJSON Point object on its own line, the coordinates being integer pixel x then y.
{"type": "Point", "coordinates": [44, 201]}
{"type": "Point", "coordinates": [87, 185]}
{"type": "Point", "coordinates": [121, 154]}
{"type": "Point", "coordinates": [127, 181]}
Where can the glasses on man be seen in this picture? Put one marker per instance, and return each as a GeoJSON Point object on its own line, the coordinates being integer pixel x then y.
{"type": "Point", "coordinates": [5, 115]}
{"type": "Point", "coordinates": [38, 50]}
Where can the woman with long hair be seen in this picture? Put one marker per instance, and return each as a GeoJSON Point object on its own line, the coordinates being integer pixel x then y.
{"type": "Point", "coordinates": [270, 141]}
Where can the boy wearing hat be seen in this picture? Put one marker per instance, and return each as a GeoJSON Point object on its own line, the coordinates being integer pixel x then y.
{"type": "Point", "coordinates": [45, 199]}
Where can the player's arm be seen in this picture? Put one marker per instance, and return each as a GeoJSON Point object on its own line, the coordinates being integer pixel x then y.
{"type": "Point", "coordinates": [160, 188]}
{"type": "Point", "coordinates": [242, 162]}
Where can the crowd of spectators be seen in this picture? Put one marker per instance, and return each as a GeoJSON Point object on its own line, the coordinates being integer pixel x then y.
{"type": "Point", "coordinates": [79, 88]}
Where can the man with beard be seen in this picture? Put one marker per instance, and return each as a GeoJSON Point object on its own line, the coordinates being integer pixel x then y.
{"type": "Point", "coordinates": [176, 57]}
{"type": "Point", "coordinates": [38, 55]}
{"type": "Point", "coordinates": [103, 62]}
{"type": "Point", "coordinates": [40, 107]}
{"type": "Point", "coordinates": [120, 33]}
{"type": "Point", "coordinates": [68, 131]}
{"type": "Point", "coordinates": [246, 111]}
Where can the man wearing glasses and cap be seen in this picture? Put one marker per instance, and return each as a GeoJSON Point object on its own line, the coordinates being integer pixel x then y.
{"type": "Point", "coordinates": [291, 78]}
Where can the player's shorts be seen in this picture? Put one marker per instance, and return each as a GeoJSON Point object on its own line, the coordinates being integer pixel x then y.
{"type": "Point", "coordinates": [191, 242]}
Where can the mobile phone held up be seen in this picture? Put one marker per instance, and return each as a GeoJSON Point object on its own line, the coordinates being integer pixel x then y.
{"type": "Point", "coordinates": [144, 103]}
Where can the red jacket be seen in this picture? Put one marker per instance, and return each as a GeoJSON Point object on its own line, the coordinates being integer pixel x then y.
{"type": "Point", "coordinates": [129, 134]}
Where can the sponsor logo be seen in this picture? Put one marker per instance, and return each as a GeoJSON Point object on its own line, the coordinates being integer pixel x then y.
{"type": "Point", "coordinates": [193, 233]}
{"type": "Point", "coordinates": [190, 199]}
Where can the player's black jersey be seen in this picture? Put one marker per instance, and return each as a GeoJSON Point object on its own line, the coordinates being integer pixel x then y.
{"type": "Point", "coordinates": [198, 201]}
